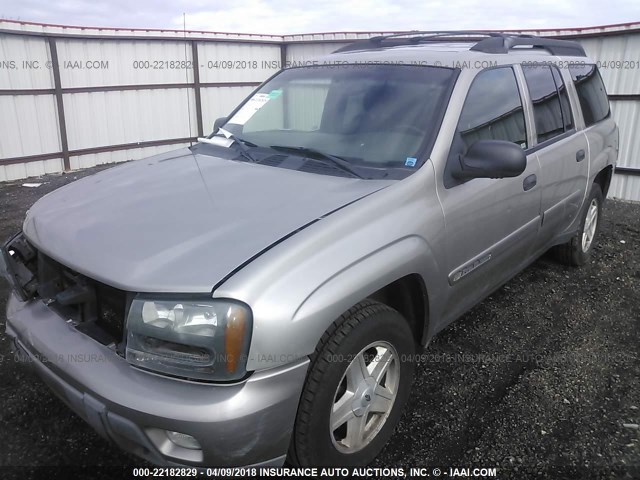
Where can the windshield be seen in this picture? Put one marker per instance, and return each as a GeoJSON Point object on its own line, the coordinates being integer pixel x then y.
{"type": "Point", "coordinates": [371, 116]}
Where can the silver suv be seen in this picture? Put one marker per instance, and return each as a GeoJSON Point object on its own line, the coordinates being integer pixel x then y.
{"type": "Point", "coordinates": [260, 296]}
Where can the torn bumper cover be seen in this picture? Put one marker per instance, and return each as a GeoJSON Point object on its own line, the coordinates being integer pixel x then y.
{"type": "Point", "coordinates": [245, 423]}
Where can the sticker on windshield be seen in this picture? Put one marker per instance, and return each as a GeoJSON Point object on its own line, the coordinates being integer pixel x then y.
{"type": "Point", "coordinates": [275, 93]}
{"type": "Point", "coordinates": [410, 162]}
{"type": "Point", "coordinates": [250, 108]}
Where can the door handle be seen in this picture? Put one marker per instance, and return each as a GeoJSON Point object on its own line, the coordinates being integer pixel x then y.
{"type": "Point", "coordinates": [580, 155]}
{"type": "Point", "coordinates": [529, 182]}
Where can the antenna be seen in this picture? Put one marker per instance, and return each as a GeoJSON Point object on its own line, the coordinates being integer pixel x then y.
{"type": "Point", "coordinates": [186, 74]}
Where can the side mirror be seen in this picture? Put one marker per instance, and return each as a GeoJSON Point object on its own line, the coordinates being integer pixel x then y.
{"type": "Point", "coordinates": [491, 159]}
{"type": "Point", "coordinates": [218, 123]}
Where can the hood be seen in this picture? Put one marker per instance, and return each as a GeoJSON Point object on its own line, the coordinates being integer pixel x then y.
{"type": "Point", "coordinates": [180, 222]}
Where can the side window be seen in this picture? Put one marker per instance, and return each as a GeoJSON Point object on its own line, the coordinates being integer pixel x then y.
{"type": "Point", "coordinates": [565, 106]}
{"type": "Point", "coordinates": [547, 109]}
{"type": "Point", "coordinates": [493, 110]}
{"type": "Point", "coordinates": [591, 92]}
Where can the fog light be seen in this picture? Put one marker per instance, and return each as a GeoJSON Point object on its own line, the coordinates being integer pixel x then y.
{"type": "Point", "coordinates": [183, 440]}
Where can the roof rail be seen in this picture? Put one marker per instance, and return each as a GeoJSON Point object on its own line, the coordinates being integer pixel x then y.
{"type": "Point", "coordinates": [486, 42]}
{"type": "Point", "coordinates": [505, 43]}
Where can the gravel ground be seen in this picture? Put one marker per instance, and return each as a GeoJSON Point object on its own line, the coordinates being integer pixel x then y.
{"type": "Point", "coordinates": [538, 380]}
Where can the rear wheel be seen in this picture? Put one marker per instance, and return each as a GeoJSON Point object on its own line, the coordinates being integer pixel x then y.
{"type": "Point", "coordinates": [577, 251]}
{"type": "Point", "coordinates": [356, 388]}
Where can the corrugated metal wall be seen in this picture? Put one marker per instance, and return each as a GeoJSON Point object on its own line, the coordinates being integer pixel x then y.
{"type": "Point", "coordinates": [126, 94]}
{"type": "Point", "coordinates": [123, 94]}
{"type": "Point", "coordinates": [620, 70]}
{"type": "Point", "coordinates": [28, 123]}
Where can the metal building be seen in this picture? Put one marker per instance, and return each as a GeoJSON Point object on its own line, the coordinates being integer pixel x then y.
{"type": "Point", "coordinates": [75, 97]}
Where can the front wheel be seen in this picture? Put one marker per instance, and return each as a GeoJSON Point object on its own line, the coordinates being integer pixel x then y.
{"type": "Point", "coordinates": [356, 388]}
{"type": "Point", "coordinates": [576, 252]}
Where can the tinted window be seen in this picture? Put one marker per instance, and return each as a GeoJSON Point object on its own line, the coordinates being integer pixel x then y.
{"type": "Point", "coordinates": [591, 92]}
{"type": "Point", "coordinates": [547, 110]}
{"type": "Point", "coordinates": [493, 110]}
{"type": "Point", "coordinates": [567, 117]}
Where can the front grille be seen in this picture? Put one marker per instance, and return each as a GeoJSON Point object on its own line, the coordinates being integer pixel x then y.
{"type": "Point", "coordinates": [111, 305]}
{"type": "Point", "coordinates": [96, 309]}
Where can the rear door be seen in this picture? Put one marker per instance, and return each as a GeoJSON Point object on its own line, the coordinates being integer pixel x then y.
{"type": "Point", "coordinates": [562, 151]}
{"type": "Point", "coordinates": [599, 128]}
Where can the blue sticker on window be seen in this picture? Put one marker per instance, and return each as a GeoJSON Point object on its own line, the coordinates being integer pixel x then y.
{"type": "Point", "coordinates": [410, 162]}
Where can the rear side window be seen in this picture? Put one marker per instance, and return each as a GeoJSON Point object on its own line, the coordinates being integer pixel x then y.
{"type": "Point", "coordinates": [565, 106]}
{"type": "Point", "coordinates": [493, 109]}
{"type": "Point", "coordinates": [547, 106]}
{"type": "Point", "coordinates": [591, 92]}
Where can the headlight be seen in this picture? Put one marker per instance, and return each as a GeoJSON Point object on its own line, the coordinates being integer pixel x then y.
{"type": "Point", "coordinates": [200, 339]}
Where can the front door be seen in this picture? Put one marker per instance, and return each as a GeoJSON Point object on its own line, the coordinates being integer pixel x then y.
{"type": "Point", "coordinates": [491, 224]}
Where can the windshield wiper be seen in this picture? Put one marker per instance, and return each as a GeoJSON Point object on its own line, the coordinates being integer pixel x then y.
{"type": "Point", "coordinates": [319, 155]}
{"type": "Point", "coordinates": [240, 142]}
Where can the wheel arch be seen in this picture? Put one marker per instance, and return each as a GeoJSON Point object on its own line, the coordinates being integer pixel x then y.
{"type": "Point", "coordinates": [408, 295]}
{"type": "Point", "coordinates": [603, 178]}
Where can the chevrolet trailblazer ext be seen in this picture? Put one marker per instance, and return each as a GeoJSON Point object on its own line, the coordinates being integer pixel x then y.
{"type": "Point", "coordinates": [258, 297]}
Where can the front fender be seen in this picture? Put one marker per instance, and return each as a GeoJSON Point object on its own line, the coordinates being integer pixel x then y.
{"type": "Point", "coordinates": [296, 332]}
{"type": "Point", "coordinates": [358, 281]}
{"type": "Point", "coordinates": [298, 288]}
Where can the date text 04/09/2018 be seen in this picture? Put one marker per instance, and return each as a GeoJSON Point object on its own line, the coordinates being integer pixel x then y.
{"type": "Point", "coordinates": [316, 472]}
{"type": "Point", "coordinates": [341, 472]}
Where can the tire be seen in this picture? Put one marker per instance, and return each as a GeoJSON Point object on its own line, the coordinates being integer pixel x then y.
{"type": "Point", "coordinates": [577, 251]}
{"type": "Point", "coordinates": [378, 335]}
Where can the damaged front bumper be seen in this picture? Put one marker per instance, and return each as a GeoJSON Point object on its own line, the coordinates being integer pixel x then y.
{"type": "Point", "coordinates": [244, 423]}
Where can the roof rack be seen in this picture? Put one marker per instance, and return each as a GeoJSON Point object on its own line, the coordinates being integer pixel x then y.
{"type": "Point", "coordinates": [486, 42]}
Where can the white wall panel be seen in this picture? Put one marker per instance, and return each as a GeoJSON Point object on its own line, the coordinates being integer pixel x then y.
{"type": "Point", "coordinates": [227, 62]}
{"type": "Point", "coordinates": [90, 63]}
{"type": "Point", "coordinates": [24, 63]}
{"type": "Point", "coordinates": [28, 125]}
{"type": "Point", "coordinates": [626, 187]}
{"type": "Point", "coordinates": [627, 115]}
{"type": "Point", "coordinates": [310, 51]}
{"type": "Point", "coordinates": [332, 36]}
{"type": "Point", "coordinates": [31, 169]}
{"type": "Point", "coordinates": [143, 33]}
{"type": "Point", "coordinates": [93, 159]}
{"type": "Point", "coordinates": [110, 118]}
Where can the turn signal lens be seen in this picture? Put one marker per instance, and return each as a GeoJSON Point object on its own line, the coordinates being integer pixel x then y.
{"type": "Point", "coordinates": [234, 335]}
